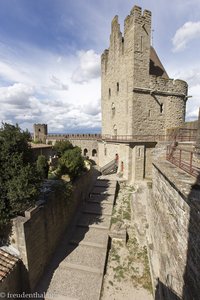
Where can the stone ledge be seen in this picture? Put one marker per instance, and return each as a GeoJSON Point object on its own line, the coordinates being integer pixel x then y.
{"type": "Point", "coordinates": [185, 184]}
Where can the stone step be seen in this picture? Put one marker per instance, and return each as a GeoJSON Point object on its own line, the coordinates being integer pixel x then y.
{"type": "Point", "coordinates": [92, 220]}
{"type": "Point", "coordinates": [98, 208]}
{"type": "Point", "coordinates": [85, 256]}
{"type": "Point", "coordinates": [103, 190]}
{"type": "Point", "coordinates": [81, 268]}
{"type": "Point", "coordinates": [90, 244]}
{"type": "Point", "coordinates": [105, 183]}
{"type": "Point", "coordinates": [75, 284]}
{"type": "Point", "coordinates": [80, 272]}
{"type": "Point", "coordinates": [90, 235]}
{"type": "Point", "coordinates": [101, 198]}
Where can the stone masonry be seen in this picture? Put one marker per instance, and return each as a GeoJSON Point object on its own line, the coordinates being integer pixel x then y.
{"type": "Point", "coordinates": [138, 98]}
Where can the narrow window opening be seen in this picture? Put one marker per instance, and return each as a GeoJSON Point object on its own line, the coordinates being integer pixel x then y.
{"type": "Point", "coordinates": [113, 109]}
{"type": "Point", "coordinates": [105, 151]}
{"type": "Point", "coordinates": [161, 108]}
{"type": "Point", "coordinates": [149, 113]}
{"type": "Point", "coordinates": [109, 92]}
{"type": "Point", "coordinates": [115, 129]}
{"type": "Point", "coordinates": [117, 86]}
{"type": "Point", "coordinates": [141, 44]}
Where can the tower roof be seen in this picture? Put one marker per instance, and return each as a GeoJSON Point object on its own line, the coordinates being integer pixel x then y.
{"type": "Point", "coordinates": [156, 68]}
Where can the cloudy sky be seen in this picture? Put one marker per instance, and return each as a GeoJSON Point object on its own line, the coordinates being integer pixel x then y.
{"type": "Point", "coordinates": [50, 57]}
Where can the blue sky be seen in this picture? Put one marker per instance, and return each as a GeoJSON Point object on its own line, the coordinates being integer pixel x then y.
{"type": "Point", "coordinates": [50, 57]}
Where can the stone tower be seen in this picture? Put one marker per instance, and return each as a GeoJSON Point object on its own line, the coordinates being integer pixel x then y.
{"type": "Point", "coordinates": [139, 101]}
{"type": "Point", "coordinates": [138, 98]}
{"type": "Point", "coordinates": [40, 132]}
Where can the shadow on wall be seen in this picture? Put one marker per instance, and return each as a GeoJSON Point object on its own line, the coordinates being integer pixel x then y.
{"type": "Point", "coordinates": [191, 289]}
{"type": "Point", "coordinates": [191, 276]}
{"type": "Point", "coordinates": [163, 292]}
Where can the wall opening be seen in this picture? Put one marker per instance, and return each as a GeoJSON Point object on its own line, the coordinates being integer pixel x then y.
{"type": "Point", "coordinates": [113, 109]}
{"type": "Point", "coordinates": [115, 129]}
{"type": "Point", "coordinates": [109, 92]}
{"type": "Point", "coordinates": [141, 44]}
{"type": "Point", "coordinates": [161, 108]}
{"type": "Point", "coordinates": [117, 86]}
{"type": "Point", "coordinates": [85, 151]}
{"type": "Point", "coordinates": [94, 152]}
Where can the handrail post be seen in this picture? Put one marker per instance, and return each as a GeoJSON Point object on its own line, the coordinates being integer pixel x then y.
{"type": "Point", "coordinates": [191, 156]}
{"type": "Point", "coordinates": [180, 158]}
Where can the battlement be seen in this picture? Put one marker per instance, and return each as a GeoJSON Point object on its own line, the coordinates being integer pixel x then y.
{"type": "Point", "coordinates": [136, 16]}
{"type": "Point", "coordinates": [137, 36]}
{"type": "Point", "coordinates": [161, 84]}
{"type": "Point", "coordinates": [136, 11]}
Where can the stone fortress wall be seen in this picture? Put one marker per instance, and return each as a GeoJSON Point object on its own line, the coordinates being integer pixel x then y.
{"type": "Point", "coordinates": [37, 234]}
{"type": "Point", "coordinates": [87, 142]}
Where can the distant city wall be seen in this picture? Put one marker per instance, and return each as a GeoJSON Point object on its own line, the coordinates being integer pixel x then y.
{"type": "Point", "coordinates": [87, 142]}
{"type": "Point", "coordinates": [37, 234]}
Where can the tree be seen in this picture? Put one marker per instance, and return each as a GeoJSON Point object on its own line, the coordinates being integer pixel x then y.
{"type": "Point", "coordinates": [72, 162]}
{"type": "Point", "coordinates": [61, 146]}
{"type": "Point", "coordinates": [19, 180]}
{"type": "Point", "coordinates": [42, 166]}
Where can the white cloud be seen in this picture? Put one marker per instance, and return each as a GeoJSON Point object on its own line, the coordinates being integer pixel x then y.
{"type": "Point", "coordinates": [18, 95]}
{"type": "Point", "coordinates": [89, 67]}
{"type": "Point", "coordinates": [58, 84]}
{"type": "Point", "coordinates": [36, 87]}
{"type": "Point", "coordinates": [189, 31]}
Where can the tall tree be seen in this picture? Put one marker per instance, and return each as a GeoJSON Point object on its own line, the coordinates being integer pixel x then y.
{"type": "Point", "coordinates": [61, 146]}
{"type": "Point", "coordinates": [72, 162]}
{"type": "Point", "coordinates": [19, 180]}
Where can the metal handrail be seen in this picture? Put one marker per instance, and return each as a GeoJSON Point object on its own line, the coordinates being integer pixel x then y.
{"type": "Point", "coordinates": [187, 166]}
{"type": "Point", "coordinates": [108, 165]}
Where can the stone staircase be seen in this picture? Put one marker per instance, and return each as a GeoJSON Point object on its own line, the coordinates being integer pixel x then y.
{"type": "Point", "coordinates": [109, 168]}
{"type": "Point", "coordinates": [77, 268]}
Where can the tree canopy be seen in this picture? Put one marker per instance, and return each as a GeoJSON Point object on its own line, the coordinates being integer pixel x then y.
{"type": "Point", "coordinates": [42, 166]}
{"type": "Point", "coordinates": [61, 146]}
{"type": "Point", "coordinates": [19, 180]}
{"type": "Point", "coordinates": [70, 160]}
{"type": "Point", "coordinates": [72, 163]}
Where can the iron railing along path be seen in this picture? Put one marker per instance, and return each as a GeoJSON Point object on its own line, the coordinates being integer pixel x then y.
{"type": "Point", "coordinates": [184, 159]}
